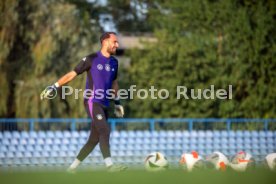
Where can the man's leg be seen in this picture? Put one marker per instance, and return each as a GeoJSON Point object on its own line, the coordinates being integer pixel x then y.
{"type": "Point", "coordinates": [102, 127]}
{"type": "Point", "coordinates": [91, 142]}
{"type": "Point", "coordinates": [100, 118]}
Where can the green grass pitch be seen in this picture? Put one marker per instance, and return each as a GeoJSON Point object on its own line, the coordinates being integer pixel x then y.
{"type": "Point", "coordinates": [174, 176]}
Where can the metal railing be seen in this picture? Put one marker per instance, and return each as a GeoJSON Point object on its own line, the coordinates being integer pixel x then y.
{"type": "Point", "coordinates": [150, 121]}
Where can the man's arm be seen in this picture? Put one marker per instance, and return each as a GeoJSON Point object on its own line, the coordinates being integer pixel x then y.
{"type": "Point", "coordinates": [67, 78]}
{"type": "Point", "coordinates": [50, 90]}
{"type": "Point", "coordinates": [115, 86]}
{"type": "Point", "coordinates": [119, 109]}
{"type": "Point", "coordinates": [84, 65]}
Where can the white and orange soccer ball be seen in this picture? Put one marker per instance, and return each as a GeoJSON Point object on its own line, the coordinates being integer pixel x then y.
{"type": "Point", "coordinates": [218, 160]}
{"type": "Point", "coordinates": [190, 161]}
{"type": "Point", "coordinates": [242, 161]}
{"type": "Point", "coordinates": [156, 161]}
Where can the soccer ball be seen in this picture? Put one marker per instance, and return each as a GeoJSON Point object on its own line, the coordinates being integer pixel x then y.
{"type": "Point", "coordinates": [218, 161]}
{"type": "Point", "coordinates": [271, 161]}
{"type": "Point", "coordinates": [190, 161]}
{"type": "Point", "coordinates": [242, 161]}
{"type": "Point", "coordinates": [156, 161]}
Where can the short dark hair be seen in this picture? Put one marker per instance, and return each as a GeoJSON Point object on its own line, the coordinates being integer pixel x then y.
{"type": "Point", "coordinates": [106, 35]}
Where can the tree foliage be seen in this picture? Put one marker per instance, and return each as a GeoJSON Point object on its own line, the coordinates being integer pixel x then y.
{"type": "Point", "coordinates": [40, 41]}
{"type": "Point", "coordinates": [203, 43]}
{"type": "Point", "coordinates": [200, 43]}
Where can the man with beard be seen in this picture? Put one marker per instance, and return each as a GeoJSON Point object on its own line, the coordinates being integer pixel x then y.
{"type": "Point", "coordinates": [101, 68]}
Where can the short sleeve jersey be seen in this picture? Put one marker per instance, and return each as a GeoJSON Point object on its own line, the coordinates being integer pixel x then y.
{"type": "Point", "coordinates": [101, 72]}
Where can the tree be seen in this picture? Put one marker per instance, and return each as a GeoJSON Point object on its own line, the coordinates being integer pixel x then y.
{"type": "Point", "coordinates": [202, 43]}
{"type": "Point", "coordinates": [41, 41]}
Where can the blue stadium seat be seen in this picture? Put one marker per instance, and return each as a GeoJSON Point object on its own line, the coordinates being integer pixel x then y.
{"type": "Point", "coordinates": [53, 153]}
{"type": "Point", "coordinates": [231, 135]}
{"type": "Point", "coordinates": [31, 141]}
{"type": "Point", "coordinates": [271, 146]}
{"type": "Point", "coordinates": [58, 134]}
{"type": "Point", "coordinates": [262, 134]}
{"type": "Point", "coordinates": [254, 140]}
{"type": "Point", "coordinates": [178, 140]}
{"type": "Point", "coordinates": [255, 146]}
{"type": "Point", "coordinates": [170, 133]}
{"type": "Point", "coordinates": [6, 141]}
{"type": "Point", "coordinates": [24, 134]}
{"type": "Point", "coordinates": [72, 153]}
{"type": "Point", "coordinates": [12, 148]}
{"type": "Point", "coordinates": [239, 134]}
{"type": "Point", "coordinates": [163, 134]}
{"type": "Point", "coordinates": [63, 147]}
{"type": "Point", "coordinates": [247, 134]}
{"type": "Point", "coordinates": [75, 134]}
{"type": "Point", "coordinates": [15, 135]}
{"type": "Point", "coordinates": [23, 141]}
{"type": "Point", "coordinates": [47, 147]}
{"type": "Point", "coordinates": [224, 134]}
{"type": "Point", "coordinates": [254, 134]}
{"type": "Point", "coordinates": [139, 134]}
{"type": "Point", "coordinates": [45, 153]}
{"type": "Point", "coordinates": [57, 141]}
{"type": "Point", "coordinates": [65, 141]}
{"type": "Point", "coordinates": [262, 140]}
{"type": "Point", "coordinates": [51, 160]}
{"type": "Point", "coordinates": [201, 134]}
{"type": "Point", "coordinates": [269, 134]}
{"type": "Point", "coordinates": [74, 141]}
{"type": "Point", "coordinates": [3, 148]}
{"type": "Point", "coordinates": [115, 134]}
{"type": "Point", "coordinates": [62, 153]}
{"type": "Point", "coordinates": [186, 135]}
{"type": "Point", "coordinates": [216, 134]}
{"type": "Point", "coordinates": [48, 141]}
{"type": "Point", "coordinates": [56, 147]}
{"type": "Point", "coordinates": [67, 134]}
{"type": "Point", "coordinates": [9, 154]}
{"type": "Point", "coordinates": [209, 134]}
{"type": "Point", "coordinates": [14, 141]}
{"type": "Point", "coordinates": [50, 134]}
{"type": "Point", "coordinates": [131, 134]}
{"type": "Point", "coordinates": [123, 134]}
{"type": "Point", "coordinates": [41, 134]}
{"type": "Point", "coordinates": [2, 155]}
{"type": "Point", "coordinates": [33, 134]}
{"type": "Point", "coordinates": [7, 134]}
{"type": "Point", "coordinates": [178, 133]}
{"type": "Point", "coordinates": [29, 147]}
{"type": "Point", "coordinates": [38, 147]}
{"type": "Point", "coordinates": [40, 141]}
{"type": "Point", "coordinates": [193, 134]}
{"type": "Point", "coordinates": [170, 140]}
{"type": "Point", "coordinates": [21, 148]}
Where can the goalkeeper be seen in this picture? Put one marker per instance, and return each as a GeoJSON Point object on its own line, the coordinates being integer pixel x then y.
{"type": "Point", "coordinates": [101, 68]}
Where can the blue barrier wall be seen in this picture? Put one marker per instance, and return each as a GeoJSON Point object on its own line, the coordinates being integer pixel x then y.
{"type": "Point", "coordinates": [150, 121]}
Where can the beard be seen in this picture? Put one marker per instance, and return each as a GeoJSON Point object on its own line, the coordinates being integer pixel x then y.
{"type": "Point", "coordinates": [111, 50]}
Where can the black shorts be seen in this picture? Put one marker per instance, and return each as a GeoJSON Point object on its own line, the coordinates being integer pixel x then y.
{"type": "Point", "coordinates": [96, 111]}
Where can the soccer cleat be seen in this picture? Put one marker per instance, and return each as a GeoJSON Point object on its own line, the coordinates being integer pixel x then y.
{"type": "Point", "coordinates": [71, 171]}
{"type": "Point", "coordinates": [116, 168]}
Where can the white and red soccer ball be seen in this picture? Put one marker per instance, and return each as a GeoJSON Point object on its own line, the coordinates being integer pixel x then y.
{"type": "Point", "coordinates": [218, 161]}
{"type": "Point", "coordinates": [190, 161]}
{"type": "Point", "coordinates": [242, 161]}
